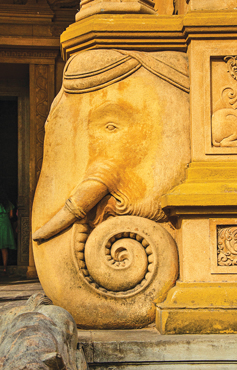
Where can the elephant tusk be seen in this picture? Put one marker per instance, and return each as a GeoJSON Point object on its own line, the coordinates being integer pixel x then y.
{"type": "Point", "coordinates": [86, 196]}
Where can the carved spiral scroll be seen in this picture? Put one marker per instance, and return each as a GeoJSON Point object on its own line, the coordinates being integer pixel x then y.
{"type": "Point", "coordinates": [121, 264]}
{"type": "Point", "coordinates": [124, 255]}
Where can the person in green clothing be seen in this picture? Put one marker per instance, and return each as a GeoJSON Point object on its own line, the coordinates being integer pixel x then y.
{"type": "Point", "coordinates": [7, 240]}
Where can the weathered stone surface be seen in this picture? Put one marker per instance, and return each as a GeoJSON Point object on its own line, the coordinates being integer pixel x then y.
{"type": "Point", "coordinates": [39, 335]}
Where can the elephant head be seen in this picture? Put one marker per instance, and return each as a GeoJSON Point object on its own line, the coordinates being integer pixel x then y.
{"type": "Point", "coordinates": [117, 139]}
{"type": "Point", "coordinates": [134, 132]}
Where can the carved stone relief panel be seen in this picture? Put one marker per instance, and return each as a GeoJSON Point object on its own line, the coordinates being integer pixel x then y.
{"type": "Point", "coordinates": [227, 245]}
{"type": "Point", "coordinates": [209, 61]}
{"type": "Point", "coordinates": [223, 241]}
{"type": "Point", "coordinates": [224, 102]}
{"type": "Point", "coordinates": [221, 111]}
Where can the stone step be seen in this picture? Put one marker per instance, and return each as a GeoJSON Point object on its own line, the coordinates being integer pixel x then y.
{"type": "Point", "coordinates": [146, 349]}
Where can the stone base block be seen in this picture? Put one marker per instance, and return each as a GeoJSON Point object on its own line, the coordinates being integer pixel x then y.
{"type": "Point", "coordinates": [146, 349]}
{"type": "Point", "coordinates": [199, 308]}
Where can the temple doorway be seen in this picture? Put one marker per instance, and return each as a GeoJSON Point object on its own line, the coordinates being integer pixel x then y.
{"type": "Point", "coordinates": [14, 155]}
{"type": "Point", "coordinates": [9, 159]}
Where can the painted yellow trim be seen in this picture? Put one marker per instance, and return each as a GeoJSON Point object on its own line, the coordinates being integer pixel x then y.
{"type": "Point", "coordinates": [207, 184]}
{"type": "Point", "coordinates": [199, 308]}
{"type": "Point", "coordinates": [133, 31]}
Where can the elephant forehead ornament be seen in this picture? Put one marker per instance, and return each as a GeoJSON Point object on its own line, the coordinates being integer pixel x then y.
{"type": "Point", "coordinates": [117, 139]}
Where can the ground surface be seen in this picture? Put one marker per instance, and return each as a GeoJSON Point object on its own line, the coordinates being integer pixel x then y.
{"type": "Point", "coordinates": [14, 291]}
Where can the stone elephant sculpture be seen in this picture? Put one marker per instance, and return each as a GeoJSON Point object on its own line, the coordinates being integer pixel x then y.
{"type": "Point", "coordinates": [117, 139]}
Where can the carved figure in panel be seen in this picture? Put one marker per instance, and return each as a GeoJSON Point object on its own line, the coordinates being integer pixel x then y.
{"type": "Point", "coordinates": [224, 118]}
{"type": "Point", "coordinates": [117, 139]}
{"type": "Point", "coordinates": [227, 245]}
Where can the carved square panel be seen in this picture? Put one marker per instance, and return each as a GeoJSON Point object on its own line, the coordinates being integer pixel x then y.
{"type": "Point", "coordinates": [220, 109]}
{"type": "Point", "coordinates": [223, 241]}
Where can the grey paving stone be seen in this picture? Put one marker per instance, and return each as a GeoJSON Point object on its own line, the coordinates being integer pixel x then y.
{"type": "Point", "coordinates": [15, 291]}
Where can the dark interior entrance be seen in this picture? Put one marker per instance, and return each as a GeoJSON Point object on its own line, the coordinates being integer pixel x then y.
{"type": "Point", "coordinates": [14, 154]}
{"type": "Point", "coordinates": [9, 145]}
{"type": "Point", "coordinates": [9, 159]}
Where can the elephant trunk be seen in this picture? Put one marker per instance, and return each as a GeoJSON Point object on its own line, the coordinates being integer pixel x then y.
{"type": "Point", "coordinates": [86, 196]}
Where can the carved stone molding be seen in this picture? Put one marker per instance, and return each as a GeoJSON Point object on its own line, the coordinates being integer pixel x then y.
{"type": "Point", "coordinates": [28, 53]}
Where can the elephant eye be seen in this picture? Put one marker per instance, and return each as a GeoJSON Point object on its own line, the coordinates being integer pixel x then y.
{"type": "Point", "coordinates": [110, 127]}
